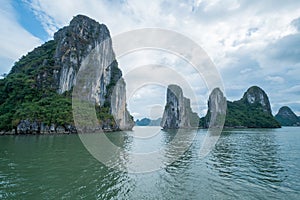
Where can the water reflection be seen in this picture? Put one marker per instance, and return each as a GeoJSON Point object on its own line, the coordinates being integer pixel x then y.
{"type": "Point", "coordinates": [248, 155]}
{"type": "Point", "coordinates": [224, 157]}
{"type": "Point", "coordinates": [138, 156]}
{"type": "Point", "coordinates": [246, 164]}
{"type": "Point", "coordinates": [179, 154]}
{"type": "Point", "coordinates": [55, 166]}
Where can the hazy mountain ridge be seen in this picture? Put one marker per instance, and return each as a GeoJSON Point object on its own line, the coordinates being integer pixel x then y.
{"type": "Point", "coordinates": [148, 122]}
{"type": "Point", "coordinates": [286, 117]}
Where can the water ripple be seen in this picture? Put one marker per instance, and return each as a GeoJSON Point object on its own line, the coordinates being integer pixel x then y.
{"type": "Point", "coordinates": [247, 164]}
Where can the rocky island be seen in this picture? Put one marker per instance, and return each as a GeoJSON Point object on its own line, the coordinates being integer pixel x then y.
{"type": "Point", "coordinates": [178, 112]}
{"type": "Point", "coordinates": [216, 113]}
{"type": "Point", "coordinates": [286, 117]}
{"type": "Point", "coordinates": [148, 122]}
{"type": "Point", "coordinates": [36, 94]}
{"type": "Point", "coordinates": [253, 110]}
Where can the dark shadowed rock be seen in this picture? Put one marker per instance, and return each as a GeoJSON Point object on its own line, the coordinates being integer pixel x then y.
{"type": "Point", "coordinates": [217, 106]}
{"type": "Point", "coordinates": [178, 112]}
{"type": "Point", "coordinates": [286, 117]}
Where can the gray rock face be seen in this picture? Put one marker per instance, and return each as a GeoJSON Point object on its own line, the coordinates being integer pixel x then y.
{"type": "Point", "coordinates": [85, 40]}
{"type": "Point", "coordinates": [74, 43]}
{"type": "Point", "coordinates": [217, 106]}
{"type": "Point", "coordinates": [255, 95]}
{"type": "Point", "coordinates": [251, 111]}
{"type": "Point", "coordinates": [118, 107]}
{"type": "Point", "coordinates": [54, 66]}
{"type": "Point", "coordinates": [178, 112]}
{"type": "Point", "coordinates": [286, 117]}
{"type": "Point", "coordinates": [27, 126]}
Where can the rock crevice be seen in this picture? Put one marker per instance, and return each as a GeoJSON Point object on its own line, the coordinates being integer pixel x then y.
{"type": "Point", "coordinates": [42, 83]}
{"type": "Point", "coordinates": [178, 112]}
{"type": "Point", "coordinates": [85, 40]}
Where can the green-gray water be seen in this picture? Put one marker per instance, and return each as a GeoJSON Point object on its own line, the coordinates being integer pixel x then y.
{"type": "Point", "coordinates": [245, 164]}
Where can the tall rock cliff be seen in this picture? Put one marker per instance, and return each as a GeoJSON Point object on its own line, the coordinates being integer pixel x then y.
{"type": "Point", "coordinates": [178, 112]}
{"type": "Point", "coordinates": [256, 96]}
{"type": "Point", "coordinates": [253, 110]}
{"type": "Point", "coordinates": [286, 117]}
{"type": "Point", "coordinates": [216, 112]}
{"type": "Point", "coordinates": [38, 88]}
{"type": "Point", "coordinates": [75, 42]}
{"type": "Point", "coordinates": [118, 107]}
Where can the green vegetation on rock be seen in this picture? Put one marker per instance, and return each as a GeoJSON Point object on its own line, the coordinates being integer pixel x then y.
{"type": "Point", "coordinates": [286, 117]}
{"type": "Point", "coordinates": [28, 92]}
{"type": "Point", "coordinates": [241, 114]}
{"type": "Point", "coordinates": [32, 97]}
{"type": "Point", "coordinates": [251, 111]}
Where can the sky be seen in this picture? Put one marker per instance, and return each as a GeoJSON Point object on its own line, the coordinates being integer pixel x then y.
{"type": "Point", "coordinates": [250, 42]}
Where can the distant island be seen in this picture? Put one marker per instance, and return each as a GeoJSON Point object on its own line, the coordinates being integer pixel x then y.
{"type": "Point", "coordinates": [253, 110]}
{"type": "Point", "coordinates": [148, 122]}
{"type": "Point", "coordinates": [286, 117]}
{"type": "Point", "coordinates": [36, 95]}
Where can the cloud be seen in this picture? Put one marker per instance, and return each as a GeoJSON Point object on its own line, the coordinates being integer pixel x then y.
{"type": "Point", "coordinates": [145, 100]}
{"type": "Point", "coordinates": [275, 79]}
{"type": "Point", "coordinates": [15, 40]}
{"type": "Point", "coordinates": [294, 89]}
{"type": "Point", "coordinates": [286, 49]}
{"type": "Point", "coordinates": [136, 115]}
{"type": "Point", "coordinates": [149, 67]}
{"type": "Point", "coordinates": [296, 24]}
{"type": "Point", "coordinates": [243, 71]}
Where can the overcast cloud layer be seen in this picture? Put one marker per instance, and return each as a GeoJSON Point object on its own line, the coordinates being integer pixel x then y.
{"type": "Point", "coordinates": [251, 42]}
